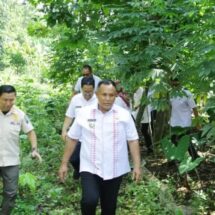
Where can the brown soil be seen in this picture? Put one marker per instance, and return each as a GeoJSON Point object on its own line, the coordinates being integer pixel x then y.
{"type": "Point", "coordinates": [201, 179]}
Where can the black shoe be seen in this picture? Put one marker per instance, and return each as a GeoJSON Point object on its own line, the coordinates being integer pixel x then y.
{"type": "Point", "coordinates": [76, 175]}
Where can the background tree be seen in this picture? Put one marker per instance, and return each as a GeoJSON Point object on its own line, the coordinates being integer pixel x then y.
{"type": "Point", "coordinates": [148, 42]}
{"type": "Point", "coordinates": [138, 42]}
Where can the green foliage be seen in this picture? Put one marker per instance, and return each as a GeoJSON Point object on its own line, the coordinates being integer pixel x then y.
{"type": "Point", "coordinates": [40, 191]}
{"type": "Point", "coordinates": [73, 32]}
{"type": "Point", "coordinates": [173, 152]}
{"type": "Point", "coordinates": [187, 165]}
{"type": "Point", "coordinates": [17, 61]}
{"type": "Point", "coordinates": [133, 40]}
{"type": "Point", "coordinates": [46, 108]}
{"type": "Point", "coordinates": [37, 29]}
{"type": "Point", "coordinates": [138, 42]}
{"type": "Point", "coordinates": [144, 198]}
{"type": "Point", "coordinates": [200, 201]}
{"type": "Point", "coordinates": [208, 131]}
{"type": "Point", "coordinates": [178, 153]}
{"type": "Point", "coordinates": [19, 52]}
{"type": "Point", "coordinates": [178, 212]}
{"type": "Point", "coordinates": [27, 180]}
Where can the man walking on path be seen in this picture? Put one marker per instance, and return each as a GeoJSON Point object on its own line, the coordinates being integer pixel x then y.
{"type": "Point", "coordinates": [104, 129]}
{"type": "Point", "coordinates": [182, 107]}
{"type": "Point", "coordinates": [12, 121]}
{"type": "Point", "coordinates": [85, 98]}
{"type": "Point", "coordinates": [86, 72]}
{"type": "Point", "coordinates": [145, 119]}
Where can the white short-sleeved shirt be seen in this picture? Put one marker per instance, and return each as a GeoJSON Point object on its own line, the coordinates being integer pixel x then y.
{"type": "Point", "coordinates": [78, 101]}
{"type": "Point", "coordinates": [104, 140]}
{"type": "Point", "coordinates": [77, 87]}
{"type": "Point", "coordinates": [10, 126]}
{"type": "Point", "coordinates": [181, 113]}
{"type": "Point", "coordinates": [146, 118]}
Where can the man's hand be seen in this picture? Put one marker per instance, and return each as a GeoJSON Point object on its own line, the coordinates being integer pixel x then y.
{"type": "Point", "coordinates": [136, 174]}
{"type": "Point", "coordinates": [135, 154]}
{"type": "Point", "coordinates": [62, 173]}
{"type": "Point", "coordinates": [68, 150]}
{"type": "Point", "coordinates": [63, 135]}
{"type": "Point", "coordinates": [36, 154]}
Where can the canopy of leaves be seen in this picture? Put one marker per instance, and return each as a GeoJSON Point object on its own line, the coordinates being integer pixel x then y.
{"type": "Point", "coordinates": [175, 36]}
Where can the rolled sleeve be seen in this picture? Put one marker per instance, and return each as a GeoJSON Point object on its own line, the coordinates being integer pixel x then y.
{"type": "Point", "coordinates": [191, 102]}
{"type": "Point", "coordinates": [26, 125]}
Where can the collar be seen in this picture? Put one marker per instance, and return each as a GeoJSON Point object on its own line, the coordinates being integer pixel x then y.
{"type": "Point", "coordinates": [96, 107]}
{"type": "Point", "coordinates": [11, 111]}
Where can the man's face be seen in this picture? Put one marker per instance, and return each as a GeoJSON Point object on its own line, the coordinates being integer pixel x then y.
{"type": "Point", "coordinates": [87, 91]}
{"type": "Point", "coordinates": [86, 72]}
{"type": "Point", "coordinates": [7, 100]}
{"type": "Point", "coordinates": [106, 95]}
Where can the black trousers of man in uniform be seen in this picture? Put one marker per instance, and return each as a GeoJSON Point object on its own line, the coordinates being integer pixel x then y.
{"type": "Point", "coordinates": [10, 176]}
{"type": "Point", "coordinates": [95, 188]}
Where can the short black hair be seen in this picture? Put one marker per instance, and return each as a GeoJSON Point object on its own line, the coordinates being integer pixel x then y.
{"type": "Point", "coordinates": [7, 89]}
{"type": "Point", "coordinates": [86, 66]}
{"type": "Point", "coordinates": [107, 82]}
{"type": "Point", "coordinates": [88, 81]}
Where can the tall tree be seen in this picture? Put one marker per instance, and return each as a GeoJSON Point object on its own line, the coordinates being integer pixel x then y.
{"type": "Point", "coordinates": [148, 41]}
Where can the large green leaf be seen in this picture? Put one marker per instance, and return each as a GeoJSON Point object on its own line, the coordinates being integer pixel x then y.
{"type": "Point", "coordinates": [187, 164]}
{"type": "Point", "coordinates": [178, 152]}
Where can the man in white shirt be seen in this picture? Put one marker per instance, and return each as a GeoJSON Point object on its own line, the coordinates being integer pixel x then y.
{"type": "Point", "coordinates": [85, 98]}
{"type": "Point", "coordinates": [86, 72]}
{"type": "Point", "coordinates": [120, 102]}
{"type": "Point", "coordinates": [12, 121]}
{"type": "Point", "coordinates": [182, 107]}
{"type": "Point", "coordinates": [104, 130]}
{"type": "Point", "coordinates": [145, 120]}
{"type": "Point", "coordinates": [122, 98]}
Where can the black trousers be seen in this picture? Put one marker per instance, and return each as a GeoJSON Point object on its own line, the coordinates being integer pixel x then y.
{"type": "Point", "coordinates": [75, 158]}
{"type": "Point", "coordinates": [95, 188]}
{"type": "Point", "coordinates": [146, 135]}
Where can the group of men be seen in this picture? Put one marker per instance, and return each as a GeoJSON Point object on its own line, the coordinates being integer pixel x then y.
{"type": "Point", "coordinates": [97, 133]}
{"type": "Point", "coordinates": [182, 107]}
{"type": "Point", "coordinates": [103, 130]}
